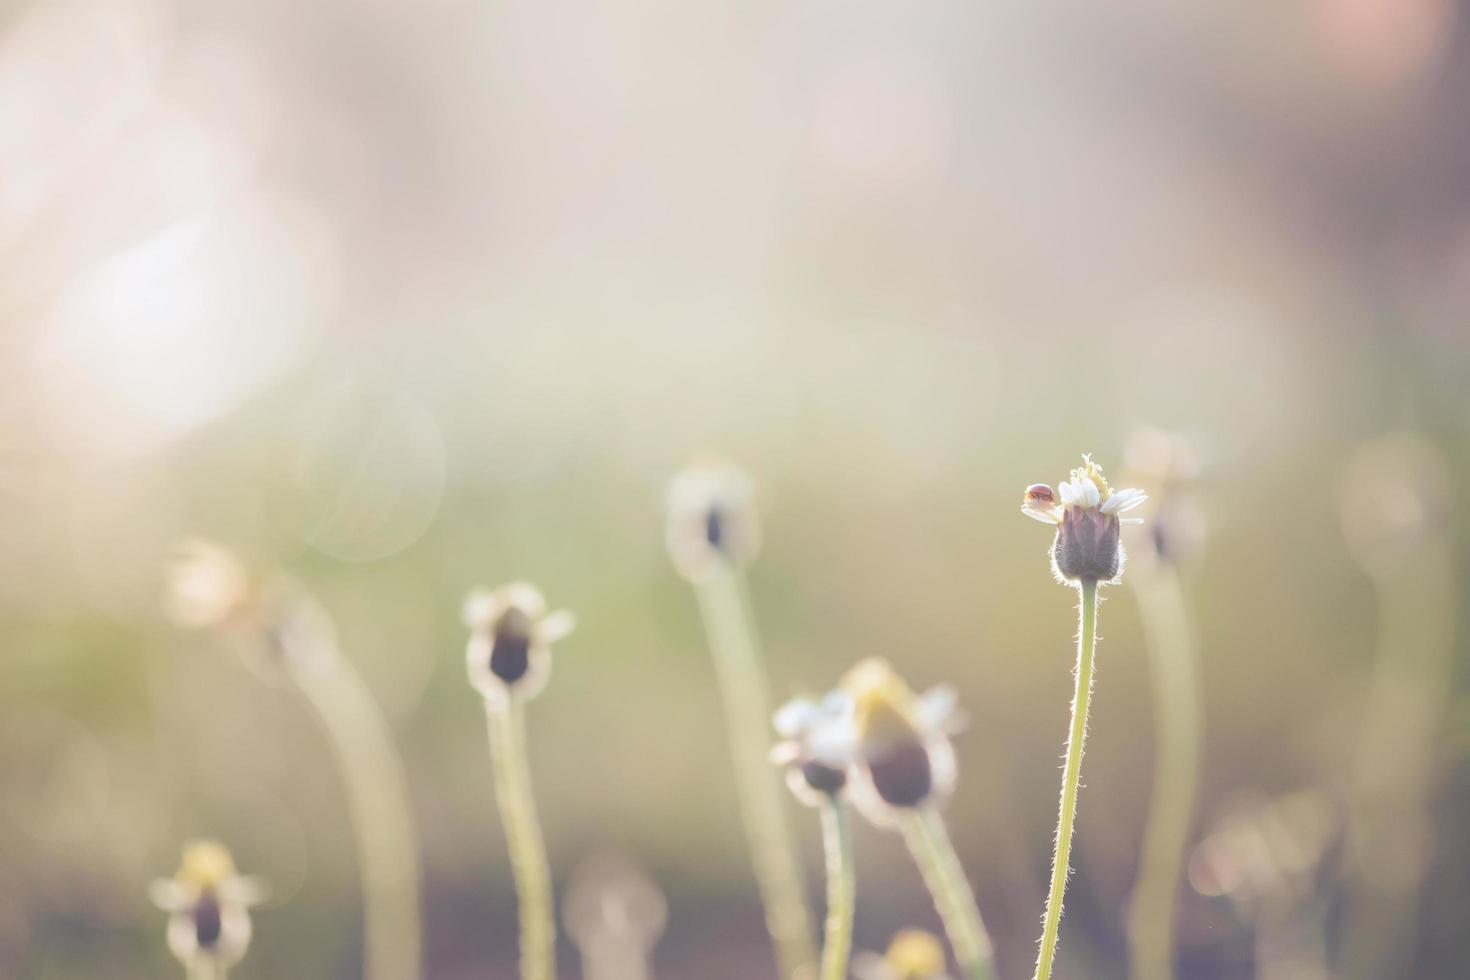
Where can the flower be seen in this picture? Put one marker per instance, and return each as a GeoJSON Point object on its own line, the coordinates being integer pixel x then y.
{"type": "Point", "coordinates": [1087, 518]}
{"type": "Point", "coordinates": [207, 586]}
{"type": "Point", "coordinates": [208, 905]}
{"type": "Point", "coordinates": [273, 620]}
{"type": "Point", "coordinates": [820, 739]}
{"type": "Point", "coordinates": [1164, 464]}
{"type": "Point", "coordinates": [913, 954]}
{"type": "Point", "coordinates": [509, 653]}
{"type": "Point", "coordinates": [903, 758]}
{"type": "Point", "coordinates": [712, 518]}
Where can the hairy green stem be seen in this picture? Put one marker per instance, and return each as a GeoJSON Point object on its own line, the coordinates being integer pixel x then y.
{"type": "Point", "coordinates": [742, 679]}
{"type": "Point", "coordinates": [382, 825]}
{"type": "Point", "coordinates": [529, 867]}
{"type": "Point", "coordinates": [929, 842]}
{"type": "Point", "coordinates": [841, 888]}
{"type": "Point", "coordinates": [1086, 647]}
{"type": "Point", "coordinates": [1177, 736]}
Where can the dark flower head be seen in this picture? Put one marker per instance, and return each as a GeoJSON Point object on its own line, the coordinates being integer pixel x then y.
{"type": "Point", "coordinates": [712, 518]}
{"type": "Point", "coordinates": [1087, 515]}
{"type": "Point", "coordinates": [509, 653]}
{"type": "Point", "coordinates": [903, 757]}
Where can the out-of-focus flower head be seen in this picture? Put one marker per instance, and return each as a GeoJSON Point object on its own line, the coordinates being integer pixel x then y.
{"type": "Point", "coordinates": [1087, 514]}
{"type": "Point", "coordinates": [820, 739]}
{"type": "Point", "coordinates": [913, 954]}
{"type": "Point", "coordinates": [207, 586]}
{"type": "Point", "coordinates": [209, 906]}
{"type": "Point", "coordinates": [903, 758]}
{"type": "Point", "coordinates": [511, 632]}
{"type": "Point", "coordinates": [712, 518]}
{"type": "Point", "coordinates": [611, 902]}
{"type": "Point", "coordinates": [1395, 498]}
{"type": "Point", "coordinates": [274, 619]}
{"type": "Point", "coordinates": [1165, 466]}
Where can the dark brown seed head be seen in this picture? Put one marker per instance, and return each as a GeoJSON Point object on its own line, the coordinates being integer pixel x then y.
{"type": "Point", "coordinates": [823, 778]}
{"type": "Point", "coordinates": [1087, 548]}
{"type": "Point", "coordinates": [208, 921]}
{"type": "Point", "coordinates": [510, 654]}
{"type": "Point", "coordinates": [902, 775]}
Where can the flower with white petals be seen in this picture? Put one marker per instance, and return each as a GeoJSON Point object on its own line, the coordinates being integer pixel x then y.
{"type": "Point", "coordinates": [511, 632]}
{"type": "Point", "coordinates": [1087, 514]}
{"type": "Point", "coordinates": [903, 758]}
{"type": "Point", "coordinates": [208, 905]}
{"type": "Point", "coordinates": [913, 954]}
{"type": "Point", "coordinates": [712, 518]}
{"type": "Point", "coordinates": [820, 739]}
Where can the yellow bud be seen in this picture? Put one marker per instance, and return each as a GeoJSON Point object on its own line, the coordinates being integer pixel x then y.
{"type": "Point", "coordinates": [915, 955]}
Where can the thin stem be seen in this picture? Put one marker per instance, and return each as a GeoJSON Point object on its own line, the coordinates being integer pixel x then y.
{"type": "Point", "coordinates": [204, 968]}
{"type": "Point", "coordinates": [1086, 647]}
{"type": "Point", "coordinates": [1400, 725]}
{"type": "Point", "coordinates": [929, 842]}
{"type": "Point", "coordinates": [742, 678]}
{"type": "Point", "coordinates": [1178, 733]}
{"type": "Point", "coordinates": [841, 888]}
{"type": "Point", "coordinates": [507, 722]}
{"type": "Point", "coordinates": [382, 825]}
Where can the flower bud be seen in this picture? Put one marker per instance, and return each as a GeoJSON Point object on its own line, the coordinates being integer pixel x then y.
{"type": "Point", "coordinates": [1086, 512]}
{"type": "Point", "coordinates": [208, 905]}
{"type": "Point", "coordinates": [509, 651]}
{"type": "Point", "coordinates": [904, 759]}
{"type": "Point", "coordinates": [711, 518]}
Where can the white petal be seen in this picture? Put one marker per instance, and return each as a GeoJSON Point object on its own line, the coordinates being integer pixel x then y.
{"type": "Point", "coordinates": [1046, 514]}
{"type": "Point", "coordinates": [785, 753]}
{"type": "Point", "coordinates": [1067, 490]}
{"type": "Point", "coordinates": [832, 745]}
{"type": "Point", "coordinates": [1090, 495]}
{"type": "Point", "coordinates": [555, 626]}
{"type": "Point", "coordinates": [170, 895]}
{"type": "Point", "coordinates": [482, 608]}
{"type": "Point", "coordinates": [936, 705]}
{"type": "Point", "coordinates": [838, 704]}
{"type": "Point", "coordinates": [794, 717]}
{"type": "Point", "coordinates": [1130, 520]}
{"type": "Point", "coordinates": [244, 890]}
{"type": "Point", "coordinates": [1123, 500]}
{"type": "Point", "coordinates": [525, 597]}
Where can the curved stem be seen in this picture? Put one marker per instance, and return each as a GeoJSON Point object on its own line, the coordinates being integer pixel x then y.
{"type": "Point", "coordinates": [1086, 644]}
{"type": "Point", "coordinates": [929, 842]}
{"type": "Point", "coordinates": [742, 680]}
{"type": "Point", "coordinates": [841, 889]}
{"type": "Point", "coordinates": [377, 799]}
{"type": "Point", "coordinates": [507, 721]}
{"type": "Point", "coordinates": [1177, 737]}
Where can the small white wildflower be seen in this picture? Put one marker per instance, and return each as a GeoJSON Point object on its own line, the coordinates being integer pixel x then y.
{"type": "Point", "coordinates": [509, 652]}
{"type": "Point", "coordinates": [903, 759]}
{"type": "Point", "coordinates": [820, 740]}
{"type": "Point", "coordinates": [208, 905]}
{"type": "Point", "coordinates": [1087, 514]}
{"type": "Point", "coordinates": [711, 518]}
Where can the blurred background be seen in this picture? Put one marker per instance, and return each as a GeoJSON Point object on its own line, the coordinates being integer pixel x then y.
{"type": "Point", "coordinates": [407, 298]}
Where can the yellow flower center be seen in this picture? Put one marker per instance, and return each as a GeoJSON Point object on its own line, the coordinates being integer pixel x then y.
{"type": "Point", "coordinates": [206, 863]}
